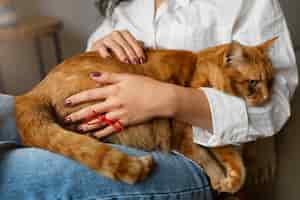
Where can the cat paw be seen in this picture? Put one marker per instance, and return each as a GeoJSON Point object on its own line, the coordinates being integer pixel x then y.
{"type": "Point", "coordinates": [136, 169]}
{"type": "Point", "coordinates": [217, 184]}
{"type": "Point", "coordinates": [230, 184]}
{"type": "Point", "coordinates": [148, 165]}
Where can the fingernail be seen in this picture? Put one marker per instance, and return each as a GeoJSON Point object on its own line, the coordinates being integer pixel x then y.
{"type": "Point", "coordinates": [141, 61]}
{"type": "Point", "coordinates": [127, 61]}
{"type": "Point", "coordinates": [136, 61]}
{"type": "Point", "coordinates": [68, 119]}
{"type": "Point", "coordinates": [68, 103]}
{"type": "Point", "coordinates": [95, 74]}
{"type": "Point", "coordinates": [80, 130]}
{"type": "Point", "coordinates": [93, 122]}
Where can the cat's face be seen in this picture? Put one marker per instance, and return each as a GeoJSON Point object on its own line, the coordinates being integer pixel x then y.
{"type": "Point", "coordinates": [250, 72]}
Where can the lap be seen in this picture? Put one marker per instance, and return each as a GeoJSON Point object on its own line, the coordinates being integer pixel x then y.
{"type": "Point", "coordinates": [38, 174]}
{"type": "Point", "coordinates": [29, 173]}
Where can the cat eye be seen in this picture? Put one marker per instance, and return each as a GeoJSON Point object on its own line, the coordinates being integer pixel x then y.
{"type": "Point", "coordinates": [252, 87]}
{"type": "Point", "coordinates": [253, 83]}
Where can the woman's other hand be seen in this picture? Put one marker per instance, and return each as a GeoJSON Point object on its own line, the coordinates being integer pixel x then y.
{"type": "Point", "coordinates": [127, 99]}
{"type": "Point", "coordinates": [123, 45]}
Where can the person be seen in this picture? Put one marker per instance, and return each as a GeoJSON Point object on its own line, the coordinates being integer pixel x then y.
{"type": "Point", "coordinates": [218, 119]}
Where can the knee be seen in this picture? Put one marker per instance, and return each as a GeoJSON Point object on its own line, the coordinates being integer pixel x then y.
{"type": "Point", "coordinates": [35, 162]}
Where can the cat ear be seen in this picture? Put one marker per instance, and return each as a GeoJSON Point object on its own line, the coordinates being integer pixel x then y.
{"type": "Point", "coordinates": [268, 44]}
{"type": "Point", "coordinates": [235, 52]}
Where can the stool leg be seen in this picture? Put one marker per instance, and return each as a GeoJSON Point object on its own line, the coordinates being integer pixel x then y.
{"type": "Point", "coordinates": [39, 53]}
{"type": "Point", "coordinates": [57, 46]}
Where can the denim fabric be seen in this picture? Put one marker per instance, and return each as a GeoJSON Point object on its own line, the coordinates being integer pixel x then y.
{"type": "Point", "coordinates": [8, 130]}
{"type": "Point", "coordinates": [34, 174]}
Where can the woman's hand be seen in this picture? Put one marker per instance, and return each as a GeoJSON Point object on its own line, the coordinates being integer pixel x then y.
{"type": "Point", "coordinates": [123, 45]}
{"type": "Point", "coordinates": [128, 99]}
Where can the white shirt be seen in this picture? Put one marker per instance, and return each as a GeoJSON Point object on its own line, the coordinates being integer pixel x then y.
{"type": "Point", "coordinates": [198, 24]}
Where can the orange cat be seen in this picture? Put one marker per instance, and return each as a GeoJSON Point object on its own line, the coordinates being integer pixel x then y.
{"type": "Point", "coordinates": [238, 70]}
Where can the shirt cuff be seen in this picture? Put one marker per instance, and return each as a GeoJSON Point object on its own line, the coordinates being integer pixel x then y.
{"type": "Point", "coordinates": [229, 120]}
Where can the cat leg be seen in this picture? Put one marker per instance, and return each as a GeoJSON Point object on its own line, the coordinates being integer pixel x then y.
{"type": "Point", "coordinates": [212, 168]}
{"type": "Point", "coordinates": [235, 173]}
{"type": "Point", "coordinates": [37, 127]}
{"type": "Point", "coordinates": [223, 166]}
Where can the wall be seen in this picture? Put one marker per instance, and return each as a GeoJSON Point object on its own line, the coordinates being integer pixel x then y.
{"type": "Point", "coordinates": [19, 66]}
{"type": "Point", "coordinates": [80, 18]}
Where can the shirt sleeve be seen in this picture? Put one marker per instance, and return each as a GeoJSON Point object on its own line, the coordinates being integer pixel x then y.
{"type": "Point", "coordinates": [106, 27]}
{"type": "Point", "coordinates": [233, 121]}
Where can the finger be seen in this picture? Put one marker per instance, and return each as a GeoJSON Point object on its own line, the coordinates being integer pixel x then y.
{"type": "Point", "coordinates": [117, 49]}
{"type": "Point", "coordinates": [141, 43]}
{"type": "Point", "coordinates": [90, 95]}
{"type": "Point", "coordinates": [110, 130]}
{"type": "Point", "coordinates": [103, 51]}
{"type": "Point", "coordinates": [116, 114]}
{"type": "Point", "coordinates": [96, 45]}
{"type": "Point", "coordinates": [127, 47]}
{"type": "Point", "coordinates": [84, 113]}
{"type": "Point", "coordinates": [92, 125]}
{"type": "Point", "coordinates": [139, 51]}
{"type": "Point", "coordinates": [108, 78]}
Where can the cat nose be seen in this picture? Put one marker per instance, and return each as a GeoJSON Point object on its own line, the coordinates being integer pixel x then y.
{"type": "Point", "coordinates": [265, 93]}
{"type": "Point", "coordinates": [265, 97]}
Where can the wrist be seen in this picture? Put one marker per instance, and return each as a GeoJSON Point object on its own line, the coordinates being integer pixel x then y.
{"type": "Point", "coordinates": [166, 101]}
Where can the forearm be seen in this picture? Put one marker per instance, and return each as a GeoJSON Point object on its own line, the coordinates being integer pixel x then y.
{"type": "Point", "coordinates": [185, 104]}
{"type": "Point", "coordinates": [192, 107]}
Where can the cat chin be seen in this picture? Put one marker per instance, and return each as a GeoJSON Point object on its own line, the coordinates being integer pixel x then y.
{"type": "Point", "coordinates": [254, 102]}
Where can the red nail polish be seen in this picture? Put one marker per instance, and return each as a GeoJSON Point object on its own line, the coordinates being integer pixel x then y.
{"type": "Point", "coordinates": [95, 74]}
{"type": "Point", "coordinates": [80, 130]}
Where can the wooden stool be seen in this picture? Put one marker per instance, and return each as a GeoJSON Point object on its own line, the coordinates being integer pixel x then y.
{"type": "Point", "coordinates": [35, 28]}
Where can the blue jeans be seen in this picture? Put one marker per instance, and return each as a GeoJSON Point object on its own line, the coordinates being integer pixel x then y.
{"type": "Point", "coordinates": [35, 174]}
